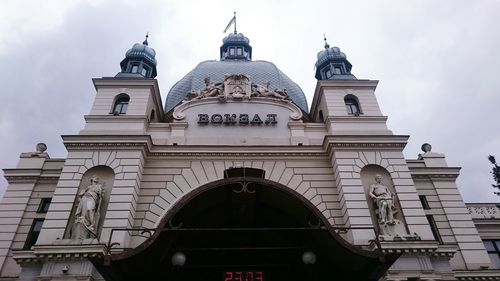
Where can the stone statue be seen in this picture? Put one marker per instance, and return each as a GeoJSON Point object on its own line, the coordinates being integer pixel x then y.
{"type": "Point", "coordinates": [384, 201]}
{"type": "Point", "coordinates": [263, 91]}
{"type": "Point", "coordinates": [88, 211]}
{"type": "Point", "coordinates": [259, 90]}
{"type": "Point", "coordinates": [210, 90]}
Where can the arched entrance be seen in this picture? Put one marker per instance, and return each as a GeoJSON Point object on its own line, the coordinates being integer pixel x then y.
{"type": "Point", "coordinates": [245, 229]}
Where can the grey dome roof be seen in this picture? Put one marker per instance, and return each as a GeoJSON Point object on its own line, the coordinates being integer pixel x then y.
{"type": "Point", "coordinates": [142, 50]}
{"type": "Point", "coordinates": [330, 53]}
{"type": "Point", "coordinates": [257, 71]}
{"type": "Point", "coordinates": [235, 37]}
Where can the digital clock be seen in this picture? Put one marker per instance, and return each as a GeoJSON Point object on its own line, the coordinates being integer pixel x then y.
{"type": "Point", "coordinates": [243, 276]}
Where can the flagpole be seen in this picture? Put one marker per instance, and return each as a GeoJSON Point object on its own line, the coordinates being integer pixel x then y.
{"type": "Point", "coordinates": [235, 23]}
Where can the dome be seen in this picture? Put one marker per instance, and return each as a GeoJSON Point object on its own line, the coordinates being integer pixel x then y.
{"type": "Point", "coordinates": [139, 62]}
{"type": "Point", "coordinates": [332, 64]}
{"type": "Point", "coordinates": [258, 72]}
{"type": "Point", "coordinates": [236, 38]}
{"type": "Point", "coordinates": [330, 53]}
{"type": "Point", "coordinates": [142, 50]}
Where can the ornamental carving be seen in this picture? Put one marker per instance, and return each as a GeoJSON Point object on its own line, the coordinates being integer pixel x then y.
{"type": "Point", "coordinates": [237, 87]}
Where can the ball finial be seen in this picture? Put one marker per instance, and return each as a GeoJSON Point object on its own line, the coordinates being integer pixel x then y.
{"type": "Point", "coordinates": [426, 147]}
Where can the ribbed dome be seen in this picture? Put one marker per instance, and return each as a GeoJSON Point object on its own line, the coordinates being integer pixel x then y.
{"type": "Point", "coordinates": [142, 50]}
{"type": "Point", "coordinates": [330, 53]}
{"type": "Point", "coordinates": [258, 72]}
{"type": "Point", "coordinates": [235, 37]}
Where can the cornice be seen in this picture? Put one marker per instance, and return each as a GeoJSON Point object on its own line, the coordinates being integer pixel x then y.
{"type": "Point", "coordinates": [67, 252]}
{"type": "Point", "coordinates": [440, 173]}
{"type": "Point", "coordinates": [144, 142]}
{"type": "Point", "coordinates": [429, 248]}
{"type": "Point", "coordinates": [332, 143]}
{"type": "Point", "coordinates": [21, 175]}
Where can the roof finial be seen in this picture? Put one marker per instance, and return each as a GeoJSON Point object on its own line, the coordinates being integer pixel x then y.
{"type": "Point", "coordinates": [145, 42]}
{"type": "Point", "coordinates": [326, 43]}
{"type": "Point", "coordinates": [235, 23]}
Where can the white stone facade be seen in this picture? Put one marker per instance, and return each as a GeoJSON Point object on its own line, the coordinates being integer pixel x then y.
{"type": "Point", "coordinates": [155, 158]}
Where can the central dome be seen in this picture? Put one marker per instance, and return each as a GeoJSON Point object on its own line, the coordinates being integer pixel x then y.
{"type": "Point", "coordinates": [236, 58]}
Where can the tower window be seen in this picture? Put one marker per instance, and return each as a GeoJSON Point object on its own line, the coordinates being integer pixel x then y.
{"type": "Point", "coordinates": [337, 70]}
{"type": "Point", "coordinates": [135, 68]}
{"type": "Point", "coordinates": [239, 51]}
{"type": "Point", "coordinates": [328, 73]}
{"type": "Point", "coordinates": [231, 51]}
{"type": "Point", "coordinates": [44, 205]}
{"type": "Point", "coordinates": [36, 226]}
{"type": "Point", "coordinates": [121, 104]}
{"type": "Point", "coordinates": [352, 105]}
{"type": "Point", "coordinates": [144, 71]}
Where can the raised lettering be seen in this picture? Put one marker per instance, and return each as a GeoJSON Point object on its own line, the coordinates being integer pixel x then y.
{"type": "Point", "coordinates": [256, 120]}
{"type": "Point", "coordinates": [271, 119]}
{"type": "Point", "coordinates": [216, 119]}
{"type": "Point", "coordinates": [203, 119]}
{"type": "Point", "coordinates": [229, 118]}
{"type": "Point", "coordinates": [244, 119]}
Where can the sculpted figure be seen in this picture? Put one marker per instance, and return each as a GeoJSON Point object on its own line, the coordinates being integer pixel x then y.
{"type": "Point", "coordinates": [210, 90]}
{"type": "Point", "coordinates": [280, 93]}
{"type": "Point", "coordinates": [89, 205]}
{"type": "Point", "coordinates": [261, 90]}
{"type": "Point", "coordinates": [383, 198]}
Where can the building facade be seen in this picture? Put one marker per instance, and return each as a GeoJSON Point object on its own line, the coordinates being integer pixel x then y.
{"type": "Point", "coordinates": [236, 178]}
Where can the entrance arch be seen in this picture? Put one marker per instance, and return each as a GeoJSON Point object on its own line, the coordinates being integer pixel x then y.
{"type": "Point", "coordinates": [245, 229]}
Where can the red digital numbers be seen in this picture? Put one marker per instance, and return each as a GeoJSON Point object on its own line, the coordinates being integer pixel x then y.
{"type": "Point", "coordinates": [244, 276]}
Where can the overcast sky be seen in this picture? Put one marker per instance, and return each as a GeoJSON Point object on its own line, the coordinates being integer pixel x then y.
{"type": "Point", "coordinates": [438, 64]}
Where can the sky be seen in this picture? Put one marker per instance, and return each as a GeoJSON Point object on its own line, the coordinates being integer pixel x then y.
{"type": "Point", "coordinates": [438, 64]}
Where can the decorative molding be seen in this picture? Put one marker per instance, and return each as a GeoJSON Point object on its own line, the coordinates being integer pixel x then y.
{"type": "Point", "coordinates": [64, 252]}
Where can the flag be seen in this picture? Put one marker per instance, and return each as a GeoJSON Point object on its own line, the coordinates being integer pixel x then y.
{"type": "Point", "coordinates": [231, 22]}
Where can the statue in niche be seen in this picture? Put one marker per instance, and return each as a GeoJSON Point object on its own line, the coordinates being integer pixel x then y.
{"type": "Point", "coordinates": [88, 211]}
{"type": "Point", "coordinates": [210, 90]}
{"type": "Point", "coordinates": [384, 200]}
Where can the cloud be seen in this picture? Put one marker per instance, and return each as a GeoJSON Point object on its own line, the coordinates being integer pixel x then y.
{"type": "Point", "coordinates": [437, 63]}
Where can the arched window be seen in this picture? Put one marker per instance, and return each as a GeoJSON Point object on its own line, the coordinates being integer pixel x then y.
{"type": "Point", "coordinates": [121, 104]}
{"type": "Point", "coordinates": [352, 105]}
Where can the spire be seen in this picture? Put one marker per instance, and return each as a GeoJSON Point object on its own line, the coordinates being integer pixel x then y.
{"type": "Point", "coordinates": [326, 43]}
{"type": "Point", "coordinates": [145, 42]}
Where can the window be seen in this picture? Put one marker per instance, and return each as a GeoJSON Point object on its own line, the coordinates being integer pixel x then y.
{"type": "Point", "coordinates": [36, 226]}
{"type": "Point", "coordinates": [239, 52]}
{"type": "Point", "coordinates": [44, 205]}
{"type": "Point", "coordinates": [352, 105]}
{"type": "Point", "coordinates": [121, 104]}
{"type": "Point", "coordinates": [434, 229]}
{"type": "Point", "coordinates": [328, 73]}
{"type": "Point", "coordinates": [144, 71]}
{"type": "Point", "coordinates": [135, 68]}
{"type": "Point", "coordinates": [152, 116]}
{"type": "Point", "coordinates": [424, 202]}
{"type": "Point", "coordinates": [231, 51]}
{"type": "Point", "coordinates": [493, 249]}
{"type": "Point", "coordinates": [337, 70]}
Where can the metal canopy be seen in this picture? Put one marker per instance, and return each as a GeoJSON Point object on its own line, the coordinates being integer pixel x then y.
{"type": "Point", "coordinates": [247, 225]}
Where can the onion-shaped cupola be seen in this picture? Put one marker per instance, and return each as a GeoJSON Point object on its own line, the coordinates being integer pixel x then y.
{"type": "Point", "coordinates": [332, 64]}
{"type": "Point", "coordinates": [235, 46]}
{"type": "Point", "coordinates": [139, 61]}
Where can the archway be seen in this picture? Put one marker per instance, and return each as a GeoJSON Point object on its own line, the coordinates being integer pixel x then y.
{"type": "Point", "coordinates": [245, 229]}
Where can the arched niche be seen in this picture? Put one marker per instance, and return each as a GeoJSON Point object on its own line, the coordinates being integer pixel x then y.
{"type": "Point", "coordinates": [387, 231]}
{"type": "Point", "coordinates": [106, 178]}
